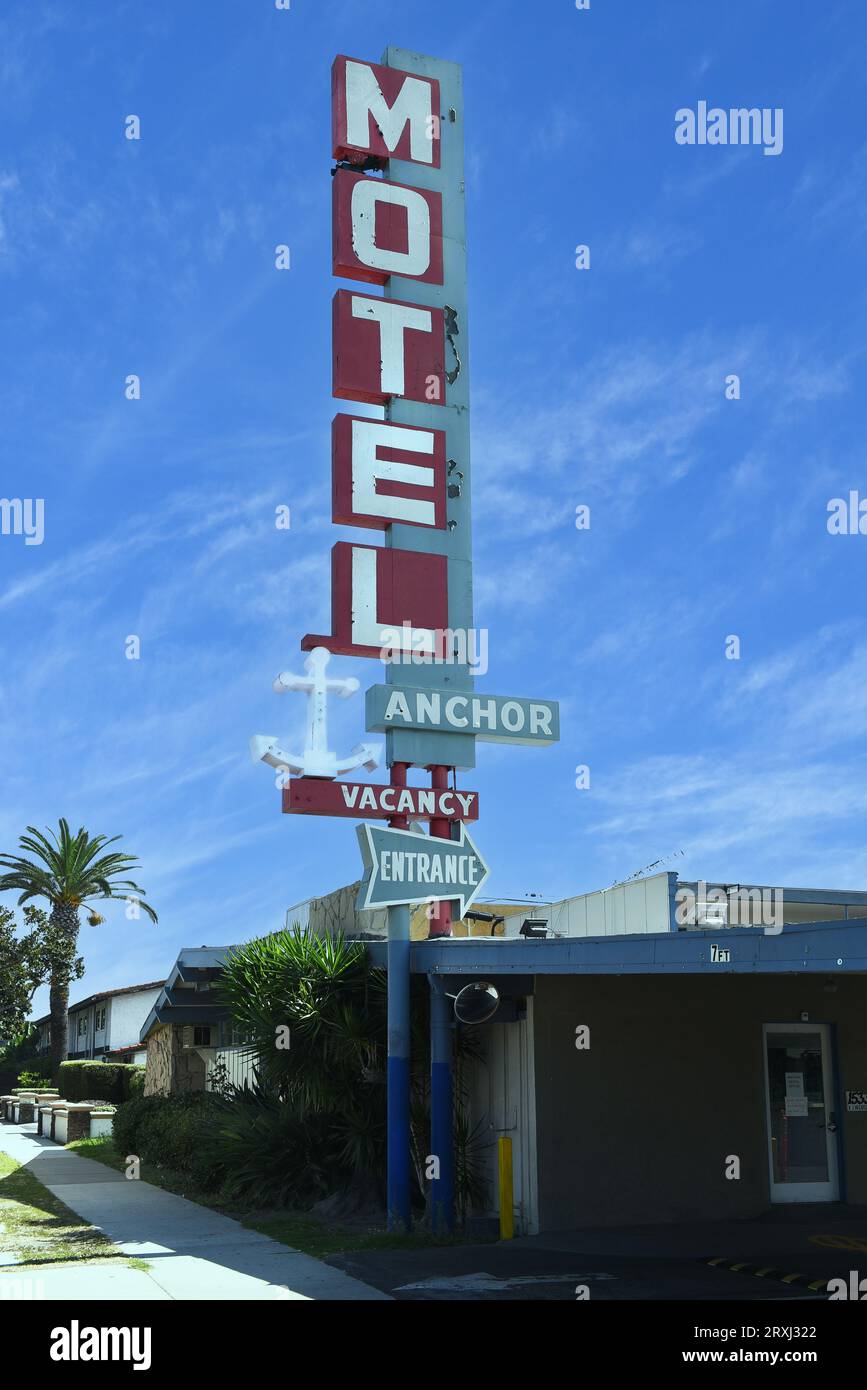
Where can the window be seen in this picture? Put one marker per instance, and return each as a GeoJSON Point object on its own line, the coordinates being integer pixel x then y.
{"type": "Point", "coordinates": [100, 1019]}
{"type": "Point", "coordinates": [232, 1036]}
{"type": "Point", "coordinates": [201, 1037]}
{"type": "Point", "coordinates": [82, 1025]}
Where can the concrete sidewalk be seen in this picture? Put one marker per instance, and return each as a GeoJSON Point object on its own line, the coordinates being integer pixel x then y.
{"type": "Point", "coordinates": [192, 1252]}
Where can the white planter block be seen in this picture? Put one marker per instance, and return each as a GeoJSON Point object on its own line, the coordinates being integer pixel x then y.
{"type": "Point", "coordinates": [60, 1125]}
{"type": "Point", "coordinates": [101, 1126]}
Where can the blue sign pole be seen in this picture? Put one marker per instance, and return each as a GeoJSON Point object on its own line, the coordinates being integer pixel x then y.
{"type": "Point", "coordinates": [441, 1109]}
{"type": "Point", "coordinates": [398, 1199]}
{"type": "Point", "coordinates": [416, 747]}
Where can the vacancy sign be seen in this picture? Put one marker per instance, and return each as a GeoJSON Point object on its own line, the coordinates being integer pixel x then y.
{"type": "Point", "coordinates": [310, 796]}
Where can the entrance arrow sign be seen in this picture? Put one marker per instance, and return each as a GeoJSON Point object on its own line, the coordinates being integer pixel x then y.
{"type": "Point", "coordinates": [404, 867]}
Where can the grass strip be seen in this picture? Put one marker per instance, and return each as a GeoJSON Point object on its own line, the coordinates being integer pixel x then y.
{"type": "Point", "coordinates": [297, 1229]}
{"type": "Point", "coordinates": [36, 1228]}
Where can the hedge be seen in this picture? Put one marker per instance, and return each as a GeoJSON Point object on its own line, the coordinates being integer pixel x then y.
{"type": "Point", "coordinates": [114, 1081]}
{"type": "Point", "coordinates": [176, 1132]}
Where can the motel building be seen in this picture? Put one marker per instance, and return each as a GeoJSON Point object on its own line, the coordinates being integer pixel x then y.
{"type": "Point", "coordinates": [652, 1059]}
{"type": "Point", "coordinates": [661, 1051]}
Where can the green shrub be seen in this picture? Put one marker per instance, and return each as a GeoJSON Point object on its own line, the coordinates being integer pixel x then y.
{"type": "Point", "coordinates": [33, 1080]}
{"type": "Point", "coordinates": [133, 1082]}
{"type": "Point", "coordinates": [273, 1151]}
{"type": "Point", "coordinates": [92, 1080]}
{"type": "Point", "coordinates": [176, 1132]}
{"type": "Point", "coordinates": [129, 1118]}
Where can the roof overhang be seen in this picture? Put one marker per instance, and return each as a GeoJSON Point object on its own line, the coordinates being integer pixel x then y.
{"type": "Point", "coordinates": [830, 948]}
{"type": "Point", "coordinates": [194, 965]}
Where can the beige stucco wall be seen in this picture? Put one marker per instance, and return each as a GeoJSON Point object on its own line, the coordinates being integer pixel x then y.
{"type": "Point", "coordinates": [171, 1069]}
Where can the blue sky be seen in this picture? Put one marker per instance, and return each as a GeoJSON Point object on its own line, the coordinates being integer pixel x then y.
{"type": "Point", "coordinates": [602, 387]}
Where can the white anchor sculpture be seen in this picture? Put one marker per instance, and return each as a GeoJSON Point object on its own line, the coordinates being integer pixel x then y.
{"type": "Point", "coordinates": [316, 760]}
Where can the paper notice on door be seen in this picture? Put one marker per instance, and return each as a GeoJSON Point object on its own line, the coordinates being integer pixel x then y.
{"type": "Point", "coordinates": [796, 1105]}
{"type": "Point", "coordinates": [794, 1085]}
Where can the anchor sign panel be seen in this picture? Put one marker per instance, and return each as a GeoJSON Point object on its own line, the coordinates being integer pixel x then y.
{"type": "Point", "coordinates": [403, 867]}
{"type": "Point", "coordinates": [494, 718]}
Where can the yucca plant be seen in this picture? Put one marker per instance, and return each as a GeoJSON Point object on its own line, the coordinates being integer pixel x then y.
{"type": "Point", "coordinates": [331, 1077]}
{"type": "Point", "coordinates": [66, 870]}
{"type": "Point", "coordinates": [269, 1150]}
{"type": "Point", "coordinates": [319, 995]}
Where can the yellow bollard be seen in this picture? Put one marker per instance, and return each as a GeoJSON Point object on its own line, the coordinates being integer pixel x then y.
{"type": "Point", "coordinates": [507, 1216]}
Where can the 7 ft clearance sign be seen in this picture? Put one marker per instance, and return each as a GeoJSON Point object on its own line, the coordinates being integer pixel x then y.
{"type": "Point", "coordinates": [398, 348]}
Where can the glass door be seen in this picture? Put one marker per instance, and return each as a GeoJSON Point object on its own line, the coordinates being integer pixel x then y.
{"type": "Point", "coordinates": [802, 1125]}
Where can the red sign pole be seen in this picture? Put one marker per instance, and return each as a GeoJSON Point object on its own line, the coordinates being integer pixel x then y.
{"type": "Point", "coordinates": [441, 918]}
{"type": "Point", "coordinates": [398, 779]}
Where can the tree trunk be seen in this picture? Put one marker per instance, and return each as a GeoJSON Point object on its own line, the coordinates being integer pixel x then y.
{"type": "Point", "coordinates": [65, 917]}
{"type": "Point", "coordinates": [58, 1002]}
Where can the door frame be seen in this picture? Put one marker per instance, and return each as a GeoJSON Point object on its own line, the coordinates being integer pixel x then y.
{"type": "Point", "coordinates": [828, 1191]}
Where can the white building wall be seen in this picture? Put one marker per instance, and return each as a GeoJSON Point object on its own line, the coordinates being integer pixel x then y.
{"type": "Point", "coordinates": [238, 1063]}
{"type": "Point", "coordinates": [626, 909]}
{"type": "Point", "coordinates": [126, 1016]}
{"type": "Point", "coordinates": [502, 1097]}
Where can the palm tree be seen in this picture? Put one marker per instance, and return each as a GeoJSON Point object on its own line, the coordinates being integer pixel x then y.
{"type": "Point", "coordinates": [67, 870]}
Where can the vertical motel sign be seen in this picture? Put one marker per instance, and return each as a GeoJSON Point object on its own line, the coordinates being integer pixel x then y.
{"type": "Point", "coordinates": [400, 342]}
{"type": "Point", "coordinates": [403, 348]}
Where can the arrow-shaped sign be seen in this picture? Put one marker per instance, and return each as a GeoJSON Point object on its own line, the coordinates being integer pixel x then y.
{"type": "Point", "coordinates": [404, 867]}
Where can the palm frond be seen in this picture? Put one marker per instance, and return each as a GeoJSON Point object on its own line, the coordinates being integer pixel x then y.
{"type": "Point", "coordinates": [67, 868]}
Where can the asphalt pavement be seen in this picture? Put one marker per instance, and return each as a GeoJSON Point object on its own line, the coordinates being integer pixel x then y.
{"type": "Point", "coordinates": [788, 1253]}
